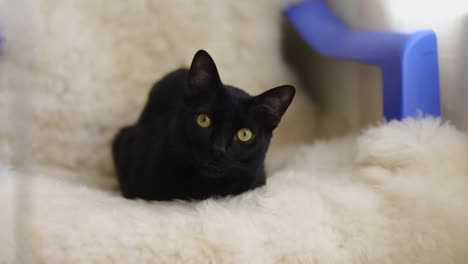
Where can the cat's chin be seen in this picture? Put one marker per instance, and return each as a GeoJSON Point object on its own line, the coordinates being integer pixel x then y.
{"type": "Point", "coordinates": [211, 170]}
{"type": "Point", "coordinates": [216, 166]}
{"type": "Point", "coordinates": [218, 171]}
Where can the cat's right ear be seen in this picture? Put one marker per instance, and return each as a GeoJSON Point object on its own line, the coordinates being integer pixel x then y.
{"type": "Point", "coordinates": [274, 103]}
{"type": "Point", "coordinates": [203, 75]}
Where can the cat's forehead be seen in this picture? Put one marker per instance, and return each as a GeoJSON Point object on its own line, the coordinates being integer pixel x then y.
{"type": "Point", "coordinates": [233, 100]}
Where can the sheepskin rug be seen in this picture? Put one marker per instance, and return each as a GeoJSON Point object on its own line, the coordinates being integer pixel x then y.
{"type": "Point", "coordinates": [397, 193]}
{"type": "Point", "coordinates": [73, 72]}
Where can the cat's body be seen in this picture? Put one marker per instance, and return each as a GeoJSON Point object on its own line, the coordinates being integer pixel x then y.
{"type": "Point", "coordinates": [168, 155]}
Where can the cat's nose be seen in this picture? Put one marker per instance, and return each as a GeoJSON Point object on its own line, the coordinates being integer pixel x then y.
{"type": "Point", "coordinates": [219, 145]}
{"type": "Point", "coordinates": [218, 149]}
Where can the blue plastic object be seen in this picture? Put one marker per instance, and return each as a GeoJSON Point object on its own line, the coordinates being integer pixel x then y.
{"type": "Point", "coordinates": [408, 62]}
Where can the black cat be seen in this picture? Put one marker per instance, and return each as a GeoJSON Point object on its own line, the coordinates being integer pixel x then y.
{"type": "Point", "coordinates": [198, 138]}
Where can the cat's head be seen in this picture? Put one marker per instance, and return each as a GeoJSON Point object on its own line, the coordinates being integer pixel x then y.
{"type": "Point", "coordinates": [224, 125]}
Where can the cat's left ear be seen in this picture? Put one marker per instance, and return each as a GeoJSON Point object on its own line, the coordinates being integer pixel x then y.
{"type": "Point", "coordinates": [274, 103]}
{"type": "Point", "coordinates": [203, 75]}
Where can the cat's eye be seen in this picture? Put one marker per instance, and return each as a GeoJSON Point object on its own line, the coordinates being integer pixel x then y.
{"type": "Point", "coordinates": [204, 120]}
{"type": "Point", "coordinates": [244, 134]}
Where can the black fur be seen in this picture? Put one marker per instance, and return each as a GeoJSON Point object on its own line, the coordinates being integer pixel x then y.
{"type": "Point", "coordinates": [166, 155]}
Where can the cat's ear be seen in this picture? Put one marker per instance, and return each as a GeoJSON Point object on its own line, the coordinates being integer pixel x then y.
{"type": "Point", "coordinates": [203, 75]}
{"type": "Point", "coordinates": [274, 103]}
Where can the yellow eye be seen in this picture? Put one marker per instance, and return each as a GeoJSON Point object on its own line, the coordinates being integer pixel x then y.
{"type": "Point", "coordinates": [244, 134]}
{"type": "Point", "coordinates": [204, 120]}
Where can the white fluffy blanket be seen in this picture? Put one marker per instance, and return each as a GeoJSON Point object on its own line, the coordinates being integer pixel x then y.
{"type": "Point", "coordinates": [397, 193]}
{"type": "Point", "coordinates": [73, 72]}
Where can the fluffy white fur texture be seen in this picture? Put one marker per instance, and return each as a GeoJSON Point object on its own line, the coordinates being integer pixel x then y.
{"type": "Point", "coordinates": [395, 194]}
{"type": "Point", "coordinates": [73, 72]}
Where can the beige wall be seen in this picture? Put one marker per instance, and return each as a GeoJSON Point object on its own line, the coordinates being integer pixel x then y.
{"type": "Point", "coordinates": [349, 94]}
